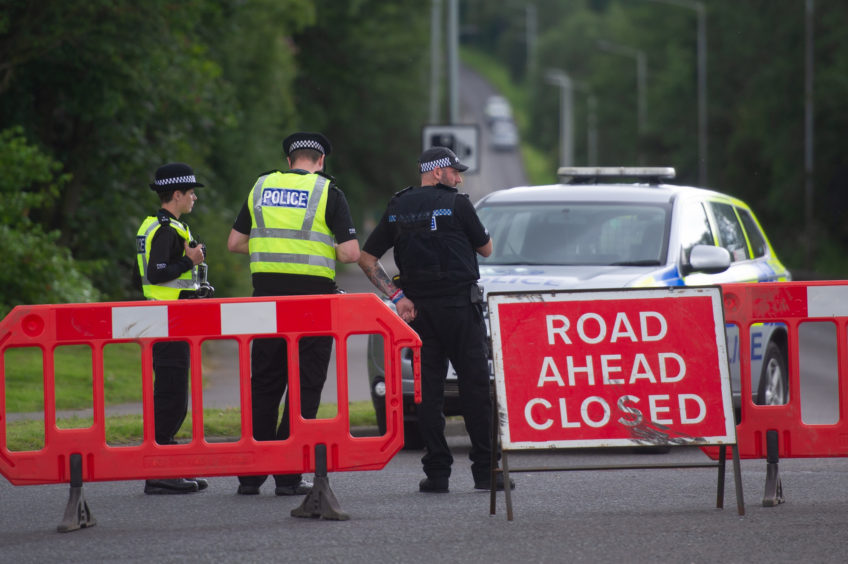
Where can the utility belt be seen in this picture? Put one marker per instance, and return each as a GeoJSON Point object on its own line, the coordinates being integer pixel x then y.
{"type": "Point", "coordinates": [474, 295]}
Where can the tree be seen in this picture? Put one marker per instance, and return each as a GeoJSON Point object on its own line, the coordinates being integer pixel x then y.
{"type": "Point", "coordinates": [364, 67]}
{"type": "Point", "coordinates": [36, 268]}
{"type": "Point", "coordinates": [114, 88]}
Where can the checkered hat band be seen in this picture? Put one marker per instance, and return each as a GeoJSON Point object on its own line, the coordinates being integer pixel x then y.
{"type": "Point", "coordinates": [438, 163]}
{"type": "Point", "coordinates": [306, 144]}
{"type": "Point", "coordinates": [176, 180]}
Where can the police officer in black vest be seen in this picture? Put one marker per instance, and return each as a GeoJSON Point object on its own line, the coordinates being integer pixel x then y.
{"type": "Point", "coordinates": [436, 234]}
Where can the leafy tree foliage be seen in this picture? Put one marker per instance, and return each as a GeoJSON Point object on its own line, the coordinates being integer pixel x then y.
{"type": "Point", "coordinates": [755, 95]}
{"type": "Point", "coordinates": [112, 89]}
{"type": "Point", "coordinates": [36, 268]}
{"type": "Point", "coordinates": [363, 76]}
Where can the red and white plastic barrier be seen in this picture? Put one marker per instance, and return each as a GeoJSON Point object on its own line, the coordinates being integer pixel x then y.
{"type": "Point", "coordinates": [196, 321]}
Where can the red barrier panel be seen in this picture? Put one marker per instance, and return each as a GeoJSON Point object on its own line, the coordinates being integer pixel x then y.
{"type": "Point", "coordinates": [791, 303]}
{"type": "Point", "coordinates": [196, 321]}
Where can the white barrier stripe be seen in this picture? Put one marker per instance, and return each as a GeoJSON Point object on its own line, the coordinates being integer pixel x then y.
{"type": "Point", "coordinates": [248, 318]}
{"type": "Point", "coordinates": [140, 321]}
{"type": "Point", "coordinates": [827, 301]}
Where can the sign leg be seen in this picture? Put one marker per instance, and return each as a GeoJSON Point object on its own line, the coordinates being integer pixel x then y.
{"type": "Point", "coordinates": [722, 460]}
{"type": "Point", "coordinates": [737, 478]}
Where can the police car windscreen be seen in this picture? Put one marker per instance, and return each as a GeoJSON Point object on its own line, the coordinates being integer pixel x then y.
{"type": "Point", "coordinates": [575, 234]}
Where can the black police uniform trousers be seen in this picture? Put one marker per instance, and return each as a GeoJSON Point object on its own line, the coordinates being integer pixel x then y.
{"type": "Point", "coordinates": [269, 381]}
{"type": "Point", "coordinates": [456, 332]}
{"type": "Point", "coordinates": [170, 389]}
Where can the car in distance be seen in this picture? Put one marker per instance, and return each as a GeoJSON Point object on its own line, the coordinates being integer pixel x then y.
{"type": "Point", "coordinates": [594, 230]}
{"type": "Point", "coordinates": [497, 108]}
{"type": "Point", "coordinates": [503, 135]}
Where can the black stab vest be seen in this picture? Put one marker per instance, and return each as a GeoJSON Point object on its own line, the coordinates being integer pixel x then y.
{"type": "Point", "coordinates": [431, 250]}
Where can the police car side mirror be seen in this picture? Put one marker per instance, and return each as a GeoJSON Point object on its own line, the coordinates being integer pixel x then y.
{"type": "Point", "coordinates": [708, 259]}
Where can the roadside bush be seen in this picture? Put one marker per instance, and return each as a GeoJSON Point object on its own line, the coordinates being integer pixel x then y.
{"type": "Point", "coordinates": [35, 267]}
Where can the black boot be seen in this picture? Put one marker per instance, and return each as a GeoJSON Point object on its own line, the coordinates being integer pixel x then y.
{"type": "Point", "coordinates": [170, 486]}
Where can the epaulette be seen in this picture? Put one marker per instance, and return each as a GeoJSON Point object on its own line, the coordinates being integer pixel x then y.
{"type": "Point", "coordinates": [163, 219]}
{"type": "Point", "coordinates": [327, 176]}
{"type": "Point", "coordinates": [467, 195]}
{"type": "Point", "coordinates": [408, 188]}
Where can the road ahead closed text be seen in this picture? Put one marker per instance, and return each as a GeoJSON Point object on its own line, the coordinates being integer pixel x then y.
{"type": "Point", "coordinates": [584, 368]}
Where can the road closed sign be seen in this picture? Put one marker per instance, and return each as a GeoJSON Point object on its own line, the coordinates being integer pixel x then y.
{"type": "Point", "coordinates": [611, 368]}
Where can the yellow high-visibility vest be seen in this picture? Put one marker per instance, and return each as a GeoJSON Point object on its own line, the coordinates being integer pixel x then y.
{"type": "Point", "coordinates": [289, 232]}
{"type": "Point", "coordinates": [167, 290]}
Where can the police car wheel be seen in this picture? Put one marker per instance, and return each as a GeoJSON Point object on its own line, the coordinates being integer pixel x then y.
{"type": "Point", "coordinates": [774, 379]}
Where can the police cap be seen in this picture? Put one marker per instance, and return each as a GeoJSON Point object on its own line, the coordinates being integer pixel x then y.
{"type": "Point", "coordinates": [174, 176]}
{"type": "Point", "coordinates": [439, 157]}
{"type": "Point", "coordinates": [306, 140]}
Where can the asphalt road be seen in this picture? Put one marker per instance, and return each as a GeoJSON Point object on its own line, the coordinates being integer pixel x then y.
{"type": "Point", "coordinates": [666, 515]}
{"type": "Point", "coordinates": [498, 169]}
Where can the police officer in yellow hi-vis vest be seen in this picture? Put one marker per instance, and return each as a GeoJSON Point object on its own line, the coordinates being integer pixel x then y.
{"type": "Point", "coordinates": [168, 258]}
{"type": "Point", "coordinates": [295, 226]}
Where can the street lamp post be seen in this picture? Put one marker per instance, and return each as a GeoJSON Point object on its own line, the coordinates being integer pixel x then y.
{"type": "Point", "coordinates": [701, 13]}
{"type": "Point", "coordinates": [809, 13]}
{"type": "Point", "coordinates": [567, 86]}
{"type": "Point", "coordinates": [531, 31]}
{"type": "Point", "coordinates": [641, 81]}
{"type": "Point", "coordinates": [566, 122]}
{"type": "Point", "coordinates": [591, 124]}
{"type": "Point", "coordinates": [435, 58]}
{"type": "Point", "coordinates": [453, 60]}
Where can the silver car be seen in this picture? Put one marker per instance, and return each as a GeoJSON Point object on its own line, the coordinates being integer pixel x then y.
{"type": "Point", "coordinates": [594, 230]}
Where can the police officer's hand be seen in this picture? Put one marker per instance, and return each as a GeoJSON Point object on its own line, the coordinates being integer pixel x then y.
{"type": "Point", "coordinates": [406, 309]}
{"type": "Point", "coordinates": [194, 253]}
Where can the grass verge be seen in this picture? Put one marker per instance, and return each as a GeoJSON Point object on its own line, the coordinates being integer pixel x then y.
{"type": "Point", "coordinates": [128, 429]}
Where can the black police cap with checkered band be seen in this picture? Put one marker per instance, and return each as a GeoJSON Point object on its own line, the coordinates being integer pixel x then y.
{"type": "Point", "coordinates": [174, 176]}
{"type": "Point", "coordinates": [306, 140]}
{"type": "Point", "coordinates": [439, 157]}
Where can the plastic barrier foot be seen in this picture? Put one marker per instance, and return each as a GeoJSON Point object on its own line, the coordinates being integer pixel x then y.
{"type": "Point", "coordinates": [77, 513]}
{"type": "Point", "coordinates": [321, 501]}
{"type": "Point", "coordinates": [774, 488]}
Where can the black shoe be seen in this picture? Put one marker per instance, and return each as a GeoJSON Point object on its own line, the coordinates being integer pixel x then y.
{"type": "Point", "coordinates": [170, 486]}
{"type": "Point", "coordinates": [301, 488]}
{"type": "Point", "coordinates": [245, 489]}
{"type": "Point", "coordinates": [433, 485]}
{"type": "Point", "coordinates": [202, 484]}
{"type": "Point", "coordinates": [499, 484]}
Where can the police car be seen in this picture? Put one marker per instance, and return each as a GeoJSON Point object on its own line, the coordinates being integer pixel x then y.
{"type": "Point", "coordinates": [613, 227]}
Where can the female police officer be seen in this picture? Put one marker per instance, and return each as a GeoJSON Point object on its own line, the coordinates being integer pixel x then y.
{"type": "Point", "coordinates": [167, 261]}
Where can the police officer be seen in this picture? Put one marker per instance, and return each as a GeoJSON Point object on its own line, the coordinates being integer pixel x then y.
{"type": "Point", "coordinates": [294, 225]}
{"type": "Point", "coordinates": [167, 261]}
{"type": "Point", "coordinates": [436, 234]}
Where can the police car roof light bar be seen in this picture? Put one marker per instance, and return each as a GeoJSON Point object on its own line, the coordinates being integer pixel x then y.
{"type": "Point", "coordinates": [591, 174]}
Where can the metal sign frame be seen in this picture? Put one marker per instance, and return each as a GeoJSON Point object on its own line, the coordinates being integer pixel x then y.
{"type": "Point", "coordinates": [464, 140]}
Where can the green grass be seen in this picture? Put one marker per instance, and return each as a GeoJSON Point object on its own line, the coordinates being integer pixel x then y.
{"type": "Point", "coordinates": [127, 429]}
{"type": "Point", "coordinates": [24, 369]}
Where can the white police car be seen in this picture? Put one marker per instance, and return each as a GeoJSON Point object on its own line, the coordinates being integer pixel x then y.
{"type": "Point", "coordinates": [594, 231]}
